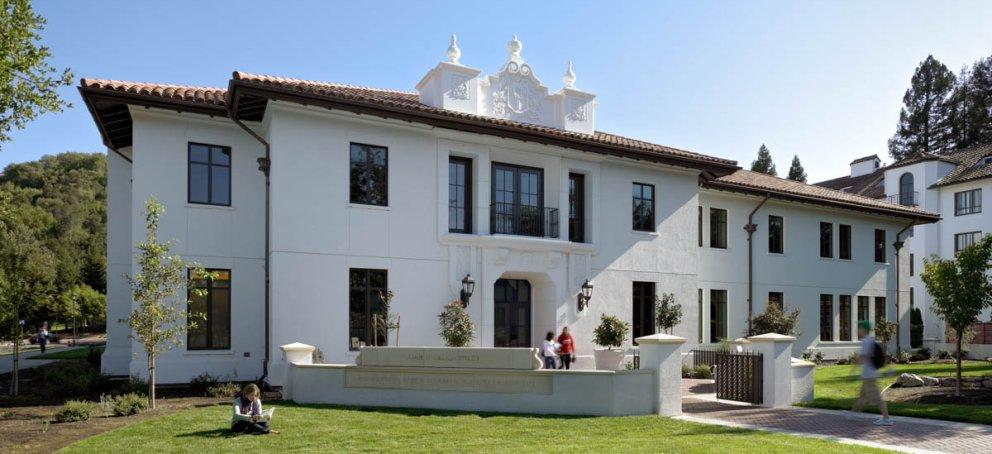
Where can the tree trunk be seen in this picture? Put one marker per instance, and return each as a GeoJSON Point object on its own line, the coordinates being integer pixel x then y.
{"type": "Point", "coordinates": [14, 374]}
{"type": "Point", "coordinates": [75, 337]}
{"type": "Point", "coordinates": [957, 391]}
{"type": "Point", "coordinates": [151, 380]}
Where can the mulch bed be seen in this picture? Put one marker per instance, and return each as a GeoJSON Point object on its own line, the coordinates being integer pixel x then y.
{"type": "Point", "coordinates": [940, 395]}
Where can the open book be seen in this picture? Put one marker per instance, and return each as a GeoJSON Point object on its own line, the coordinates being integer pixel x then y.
{"type": "Point", "coordinates": [266, 415]}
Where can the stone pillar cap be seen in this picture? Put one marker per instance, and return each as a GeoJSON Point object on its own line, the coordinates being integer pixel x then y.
{"type": "Point", "coordinates": [297, 347]}
{"type": "Point", "coordinates": [772, 337]}
{"type": "Point", "coordinates": [660, 339]}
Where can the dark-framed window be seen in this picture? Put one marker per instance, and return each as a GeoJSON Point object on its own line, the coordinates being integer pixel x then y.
{"type": "Point", "coordinates": [718, 315]}
{"type": "Point", "coordinates": [912, 265]}
{"type": "Point", "coordinates": [906, 194]}
{"type": "Point", "coordinates": [963, 240]}
{"type": "Point", "coordinates": [826, 318]}
{"type": "Point", "coordinates": [643, 310]}
{"type": "Point", "coordinates": [776, 234]}
{"type": "Point", "coordinates": [459, 194]}
{"type": "Point", "coordinates": [863, 308]}
{"type": "Point", "coordinates": [845, 317]}
{"type": "Point", "coordinates": [518, 201]}
{"type": "Point", "coordinates": [208, 174]}
{"type": "Point", "coordinates": [879, 245]}
{"type": "Point", "coordinates": [699, 303]}
{"type": "Point", "coordinates": [718, 228]}
{"type": "Point", "coordinates": [369, 174]}
{"type": "Point", "coordinates": [699, 225]}
{"type": "Point", "coordinates": [880, 314]}
{"type": "Point", "coordinates": [365, 290]}
{"type": "Point", "coordinates": [777, 298]}
{"type": "Point", "coordinates": [844, 242]}
{"type": "Point", "coordinates": [643, 207]}
{"type": "Point", "coordinates": [826, 240]}
{"type": "Point", "coordinates": [576, 207]}
{"type": "Point", "coordinates": [213, 327]}
{"type": "Point", "coordinates": [968, 202]}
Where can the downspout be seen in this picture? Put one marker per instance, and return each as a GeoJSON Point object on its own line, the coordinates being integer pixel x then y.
{"type": "Point", "coordinates": [263, 166]}
{"type": "Point", "coordinates": [898, 246]}
{"type": "Point", "coordinates": [750, 228]}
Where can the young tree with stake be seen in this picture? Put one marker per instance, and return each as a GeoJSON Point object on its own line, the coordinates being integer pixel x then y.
{"type": "Point", "coordinates": [161, 319]}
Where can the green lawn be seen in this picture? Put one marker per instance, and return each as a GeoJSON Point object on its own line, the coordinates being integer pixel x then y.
{"type": "Point", "coordinates": [837, 387]}
{"type": "Point", "coordinates": [70, 353]}
{"type": "Point", "coordinates": [336, 429]}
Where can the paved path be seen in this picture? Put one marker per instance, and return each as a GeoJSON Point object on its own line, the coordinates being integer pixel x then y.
{"type": "Point", "coordinates": [908, 434]}
{"type": "Point", "coordinates": [7, 361]}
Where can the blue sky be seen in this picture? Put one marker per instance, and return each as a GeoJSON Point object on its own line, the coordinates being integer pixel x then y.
{"type": "Point", "coordinates": [823, 80]}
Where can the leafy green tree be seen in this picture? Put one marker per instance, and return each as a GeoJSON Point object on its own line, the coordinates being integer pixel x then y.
{"type": "Point", "coordinates": [28, 82]}
{"type": "Point", "coordinates": [796, 170]}
{"type": "Point", "coordinates": [923, 121]}
{"type": "Point", "coordinates": [161, 321]}
{"type": "Point", "coordinates": [667, 312]}
{"type": "Point", "coordinates": [456, 326]}
{"type": "Point", "coordinates": [961, 288]}
{"type": "Point", "coordinates": [25, 280]}
{"type": "Point", "coordinates": [916, 328]}
{"type": "Point", "coordinates": [775, 320]}
{"type": "Point", "coordinates": [764, 162]}
{"type": "Point", "coordinates": [81, 304]}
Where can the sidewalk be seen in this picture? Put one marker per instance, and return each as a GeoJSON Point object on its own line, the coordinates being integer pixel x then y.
{"type": "Point", "coordinates": [7, 361]}
{"type": "Point", "coordinates": [907, 435]}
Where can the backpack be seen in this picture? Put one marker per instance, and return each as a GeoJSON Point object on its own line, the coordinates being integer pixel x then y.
{"type": "Point", "coordinates": [877, 356]}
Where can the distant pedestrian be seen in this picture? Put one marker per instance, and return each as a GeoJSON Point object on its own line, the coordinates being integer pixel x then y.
{"type": "Point", "coordinates": [42, 337]}
{"type": "Point", "coordinates": [567, 350]}
{"type": "Point", "coordinates": [872, 359]}
{"type": "Point", "coordinates": [549, 350]}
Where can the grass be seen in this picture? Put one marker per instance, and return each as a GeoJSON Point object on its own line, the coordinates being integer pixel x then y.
{"type": "Point", "coordinates": [335, 429]}
{"type": "Point", "coordinates": [69, 353]}
{"type": "Point", "coordinates": [837, 387]}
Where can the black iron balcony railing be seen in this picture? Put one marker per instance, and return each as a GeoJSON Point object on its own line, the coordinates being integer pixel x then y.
{"type": "Point", "coordinates": [905, 198]}
{"type": "Point", "coordinates": [511, 219]}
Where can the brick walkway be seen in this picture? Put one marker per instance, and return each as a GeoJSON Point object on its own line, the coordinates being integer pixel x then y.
{"type": "Point", "coordinates": [908, 434]}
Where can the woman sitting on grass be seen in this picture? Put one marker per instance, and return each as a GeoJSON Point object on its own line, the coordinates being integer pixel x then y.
{"type": "Point", "coordinates": [247, 416]}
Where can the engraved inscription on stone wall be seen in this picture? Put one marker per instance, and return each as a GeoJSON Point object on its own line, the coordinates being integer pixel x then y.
{"type": "Point", "coordinates": [506, 383]}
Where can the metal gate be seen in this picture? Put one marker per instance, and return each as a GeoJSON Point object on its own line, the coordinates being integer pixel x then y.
{"type": "Point", "coordinates": [738, 375]}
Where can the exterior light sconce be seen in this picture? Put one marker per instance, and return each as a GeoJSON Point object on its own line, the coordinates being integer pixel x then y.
{"type": "Point", "coordinates": [468, 288]}
{"type": "Point", "coordinates": [585, 295]}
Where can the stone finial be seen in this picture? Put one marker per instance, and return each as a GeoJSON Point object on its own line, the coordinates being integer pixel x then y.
{"type": "Point", "coordinates": [454, 53]}
{"type": "Point", "coordinates": [569, 77]}
{"type": "Point", "coordinates": [514, 47]}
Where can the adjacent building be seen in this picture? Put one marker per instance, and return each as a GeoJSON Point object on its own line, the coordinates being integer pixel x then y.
{"type": "Point", "coordinates": [312, 200]}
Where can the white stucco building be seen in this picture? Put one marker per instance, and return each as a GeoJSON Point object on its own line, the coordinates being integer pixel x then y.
{"type": "Point", "coordinates": [499, 177]}
{"type": "Point", "coordinates": [950, 185]}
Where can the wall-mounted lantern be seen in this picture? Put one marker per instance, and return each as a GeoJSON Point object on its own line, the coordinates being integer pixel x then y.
{"type": "Point", "coordinates": [468, 288]}
{"type": "Point", "coordinates": [585, 295]}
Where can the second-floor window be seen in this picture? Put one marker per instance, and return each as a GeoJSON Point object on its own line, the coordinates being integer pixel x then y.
{"type": "Point", "coordinates": [963, 240]}
{"type": "Point", "coordinates": [518, 202]}
{"type": "Point", "coordinates": [776, 234]}
{"type": "Point", "coordinates": [718, 228]}
{"type": "Point", "coordinates": [968, 202]}
{"type": "Point", "coordinates": [576, 207]}
{"type": "Point", "coordinates": [643, 207]}
{"type": "Point", "coordinates": [880, 245]}
{"type": "Point", "coordinates": [369, 174]}
{"type": "Point", "coordinates": [826, 240]}
{"type": "Point", "coordinates": [906, 194]}
{"type": "Point", "coordinates": [459, 195]}
{"type": "Point", "coordinates": [209, 174]}
{"type": "Point", "coordinates": [845, 242]}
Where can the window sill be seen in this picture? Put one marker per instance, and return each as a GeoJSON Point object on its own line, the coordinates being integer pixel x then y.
{"type": "Point", "coordinates": [776, 254]}
{"type": "Point", "coordinates": [644, 232]}
{"type": "Point", "coordinates": [516, 242]}
{"type": "Point", "coordinates": [369, 207]}
{"type": "Point", "coordinates": [205, 206]}
{"type": "Point", "coordinates": [208, 353]}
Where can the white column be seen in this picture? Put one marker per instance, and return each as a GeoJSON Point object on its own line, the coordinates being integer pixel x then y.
{"type": "Point", "coordinates": [660, 353]}
{"type": "Point", "coordinates": [295, 353]}
{"type": "Point", "coordinates": [776, 351]}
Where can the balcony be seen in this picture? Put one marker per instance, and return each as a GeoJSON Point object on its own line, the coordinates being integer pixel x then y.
{"type": "Point", "coordinates": [526, 220]}
{"type": "Point", "coordinates": [911, 199]}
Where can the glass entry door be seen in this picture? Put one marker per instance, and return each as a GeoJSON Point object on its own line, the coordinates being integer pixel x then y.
{"type": "Point", "coordinates": [512, 306]}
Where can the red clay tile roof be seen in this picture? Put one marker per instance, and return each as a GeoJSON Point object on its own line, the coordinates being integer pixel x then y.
{"type": "Point", "coordinates": [760, 183]}
{"type": "Point", "coordinates": [866, 158]}
{"type": "Point", "coordinates": [201, 95]}
{"type": "Point", "coordinates": [869, 185]}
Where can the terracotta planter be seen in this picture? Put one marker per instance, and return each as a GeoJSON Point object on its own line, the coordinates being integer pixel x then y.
{"type": "Point", "coordinates": [609, 359]}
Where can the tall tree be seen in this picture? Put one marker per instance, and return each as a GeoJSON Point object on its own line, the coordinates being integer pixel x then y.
{"type": "Point", "coordinates": [28, 82]}
{"type": "Point", "coordinates": [160, 321]}
{"type": "Point", "coordinates": [796, 170]}
{"type": "Point", "coordinates": [961, 289]}
{"type": "Point", "coordinates": [923, 121]}
{"type": "Point", "coordinates": [980, 105]}
{"type": "Point", "coordinates": [764, 162]}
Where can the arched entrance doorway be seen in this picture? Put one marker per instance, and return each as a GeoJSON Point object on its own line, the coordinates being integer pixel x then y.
{"type": "Point", "coordinates": [512, 318]}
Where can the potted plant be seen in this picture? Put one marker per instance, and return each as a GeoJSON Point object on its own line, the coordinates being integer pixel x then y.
{"type": "Point", "coordinates": [610, 334]}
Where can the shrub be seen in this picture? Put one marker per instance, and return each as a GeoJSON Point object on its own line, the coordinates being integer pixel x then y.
{"type": "Point", "coordinates": [74, 410]}
{"type": "Point", "coordinates": [200, 384]}
{"type": "Point", "coordinates": [93, 356]}
{"type": "Point", "coordinates": [921, 354]}
{"type": "Point", "coordinates": [611, 332]}
{"type": "Point", "coordinates": [902, 357]}
{"type": "Point", "coordinates": [456, 326]}
{"type": "Point", "coordinates": [943, 354]}
{"type": "Point", "coordinates": [775, 320]}
{"type": "Point", "coordinates": [702, 371]}
{"type": "Point", "coordinates": [668, 312]}
{"type": "Point", "coordinates": [74, 379]}
{"type": "Point", "coordinates": [915, 327]}
{"type": "Point", "coordinates": [686, 371]}
{"type": "Point", "coordinates": [132, 385]}
{"type": "Point", "coordinates": [129, 404]}
{"type": "Point", "coordinates": [818, 357]}
{"type": "Point", "coordinates": [224, 390]}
